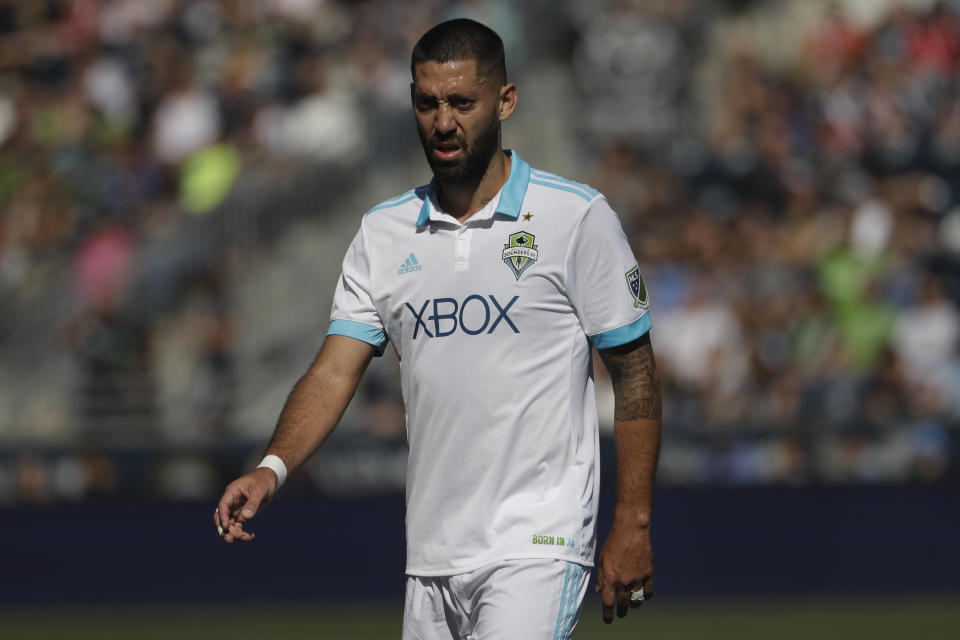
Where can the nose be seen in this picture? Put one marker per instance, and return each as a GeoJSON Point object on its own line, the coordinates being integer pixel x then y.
{"type": "Point", "coordinates": [445, 123]}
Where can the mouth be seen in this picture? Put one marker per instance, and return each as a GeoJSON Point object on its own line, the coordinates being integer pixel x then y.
{"type": "Point", "coordinates": [446, 151]}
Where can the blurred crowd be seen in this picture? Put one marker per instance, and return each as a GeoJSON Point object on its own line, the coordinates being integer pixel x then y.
{"type": "Point", "coordinates": [137, 139]}
{"type": "Point", "coordinates": [803, 250]}
{"type": "Point", "coordinates": [798, 225]}
{"type": "Point", "coordinates": [125, 124]}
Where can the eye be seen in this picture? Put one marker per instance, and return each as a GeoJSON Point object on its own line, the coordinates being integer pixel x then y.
{"type": "Point", "coordinates": [425, 103]}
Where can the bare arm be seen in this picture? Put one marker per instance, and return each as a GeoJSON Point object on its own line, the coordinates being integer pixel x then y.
{"type": "Point", "coordinates": [318, 400]}
{"type": "Point", "coordinates": [310, 414]}
{"type": "Point", "coordinates": [626, 560]}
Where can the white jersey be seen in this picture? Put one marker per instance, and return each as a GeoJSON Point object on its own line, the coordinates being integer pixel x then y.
{"type": "Point", "coordinates": [493, 321]}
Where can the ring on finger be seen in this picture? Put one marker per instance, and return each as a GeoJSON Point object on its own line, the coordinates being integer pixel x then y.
{"type": "Point", "coordinates": [637, 596]}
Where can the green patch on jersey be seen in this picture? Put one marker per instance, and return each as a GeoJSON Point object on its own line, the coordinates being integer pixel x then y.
{"type": "Point", "coordinates": [637, 289]}
{"type": "Point", "coordinates": [520, 252]}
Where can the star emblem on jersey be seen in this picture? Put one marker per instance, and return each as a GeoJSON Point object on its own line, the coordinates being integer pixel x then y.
{"type": "Point", "coordinates": [527, 216]}
{"type": "Point", "coordinates": [636, 286]}
{"type": "Point", "coordinates": [520, 252]}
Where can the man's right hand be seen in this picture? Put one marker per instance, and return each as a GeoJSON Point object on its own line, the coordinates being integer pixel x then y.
{"type": "Point", "coordinates": [241, 501]}
{"type": "Point", "coordinates": [309, 415]}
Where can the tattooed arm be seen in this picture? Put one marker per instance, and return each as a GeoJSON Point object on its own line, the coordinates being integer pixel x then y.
{"type": "Point", "coordinates": [626, 560]}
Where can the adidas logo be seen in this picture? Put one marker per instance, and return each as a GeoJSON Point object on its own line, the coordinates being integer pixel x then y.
{"type": "Point", "coordinates": [409, 265]}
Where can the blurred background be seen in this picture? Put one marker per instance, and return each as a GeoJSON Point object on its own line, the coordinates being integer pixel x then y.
{"type": "Point", "coordinates": [179, 181]}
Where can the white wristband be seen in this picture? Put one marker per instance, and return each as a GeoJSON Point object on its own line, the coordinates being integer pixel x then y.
{"type": "Point", "coordinates": [275, 464]}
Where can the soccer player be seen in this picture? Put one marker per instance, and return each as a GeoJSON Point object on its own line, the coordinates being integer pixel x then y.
{"type": "Point", "coordinates": [491, 282]}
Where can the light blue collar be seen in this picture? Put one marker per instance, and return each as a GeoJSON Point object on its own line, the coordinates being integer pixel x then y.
{"type": "Point", "coordinates": [511, 195]}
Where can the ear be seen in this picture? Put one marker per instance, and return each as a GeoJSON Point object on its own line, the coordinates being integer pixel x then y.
{"type": "Point", "coordinates": [508, 99]}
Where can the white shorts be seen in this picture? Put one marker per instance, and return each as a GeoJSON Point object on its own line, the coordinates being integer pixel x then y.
{"type": "Point", "coordinates": [533, 599]}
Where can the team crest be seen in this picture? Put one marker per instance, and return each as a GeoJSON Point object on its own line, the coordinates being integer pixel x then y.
{"type": "Point", "coordinates": [520, 252]}
{"type": "Point", "coordinates": [637, 288]}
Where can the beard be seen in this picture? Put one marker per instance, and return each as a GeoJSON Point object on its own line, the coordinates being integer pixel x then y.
{"type": "Point", "coordinates": [471, 167]}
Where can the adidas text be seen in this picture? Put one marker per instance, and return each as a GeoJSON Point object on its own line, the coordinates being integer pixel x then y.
{"type": "Point", "coordinates": [409, 265]}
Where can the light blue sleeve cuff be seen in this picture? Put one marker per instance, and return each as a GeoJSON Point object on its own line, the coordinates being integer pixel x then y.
{"type": "Point", "coordinates": [624, 334]}
{"type": "Point", "coordinates": [359, 331]}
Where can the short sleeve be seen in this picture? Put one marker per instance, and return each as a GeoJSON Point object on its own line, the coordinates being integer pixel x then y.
{"type": "Point", "coordinates": [603, 280]}
{"type": "Point", "coordinates": [354, 314]}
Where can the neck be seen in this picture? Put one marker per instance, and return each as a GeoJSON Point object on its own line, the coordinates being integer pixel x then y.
{"type": "Point", "coordinates": [463, 200]}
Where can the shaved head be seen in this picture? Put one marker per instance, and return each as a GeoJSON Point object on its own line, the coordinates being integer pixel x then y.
{"type": "Point", "coordinates": [463, 39]}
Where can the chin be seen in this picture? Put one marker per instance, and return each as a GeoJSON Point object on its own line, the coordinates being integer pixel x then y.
{"type": "Point", "coordinates": [448, 170]}
{"type": "Point", "coordinates": [452, 174]}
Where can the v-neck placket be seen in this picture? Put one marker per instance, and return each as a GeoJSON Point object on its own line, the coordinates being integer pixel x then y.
{"type": "Point", "coordinates": [461, 247]}
{"type": "Point", "coordinates": [507, 202]}
{"type": "Point", "coordinates": [463, 232]}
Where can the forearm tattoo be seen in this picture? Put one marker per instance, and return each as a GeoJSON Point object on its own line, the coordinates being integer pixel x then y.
{"type": "Point", "coordinates": [636, 384]}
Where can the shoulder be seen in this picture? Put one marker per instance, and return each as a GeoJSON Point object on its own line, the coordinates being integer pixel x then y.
{"type": "Point", "coordinates": [560, 190]}
{"type": "Point", "coordinates": [568, 200]}
{"type": "Point", "coordinates": [412, 199]}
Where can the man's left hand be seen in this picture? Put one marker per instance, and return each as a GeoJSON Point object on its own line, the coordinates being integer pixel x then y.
{"type": "Point", "coordinates": [625, 566]}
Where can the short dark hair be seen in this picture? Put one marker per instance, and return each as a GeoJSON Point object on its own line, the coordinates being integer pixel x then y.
{"type": "Point", "coordinates": [462, 39]}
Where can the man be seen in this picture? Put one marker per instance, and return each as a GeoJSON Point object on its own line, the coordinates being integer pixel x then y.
{"type": "Point", "coordinates": [491, 283]}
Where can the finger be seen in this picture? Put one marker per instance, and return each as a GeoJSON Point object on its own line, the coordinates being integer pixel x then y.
{"type": "Point", "coordinates": [635, 603]}
{"type": "Point", "coordinates": [224, 507]}
{"type": "Point", "coordinates": [251, 506]}
{"type": "Point", "coordinates": [623, 602]}
{"type": "Point", "coordinates": [606, 599]}
{"type": "Point", "coordinates": [236, 529]}
{"type": "Point", "coordinates": [239, 534]}
{"type": "Point", "coordinates": [231, 535]}
{"type": "Point", "coordinates": [648, 588]}
{"type": "Point", "coordinates": [243, 536]}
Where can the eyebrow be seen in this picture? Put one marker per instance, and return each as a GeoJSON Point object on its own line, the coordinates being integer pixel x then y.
{"type": "Point", "coordinates": [420, 94]}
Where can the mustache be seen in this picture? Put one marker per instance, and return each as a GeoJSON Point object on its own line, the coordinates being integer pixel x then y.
{"type": "Point", "coordinates": [435, 141]}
